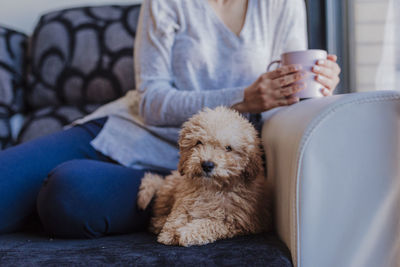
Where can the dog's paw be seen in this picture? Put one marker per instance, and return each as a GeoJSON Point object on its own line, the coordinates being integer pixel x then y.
{"type": "Point", "coordinates": [188, 237]}
{"type": "Point", "coordinates": [148, 188]}
{"type": "Point", "coordinates": [168, 238]}
{"type": "Point", "coordinates": [156, 224]}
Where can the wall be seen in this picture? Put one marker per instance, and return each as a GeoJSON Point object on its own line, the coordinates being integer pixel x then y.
{"type": "Point", "coordinates": [23, 14]}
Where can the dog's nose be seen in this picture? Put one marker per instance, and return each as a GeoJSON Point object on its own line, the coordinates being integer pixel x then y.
{"type": "Point", "coordinates": [207, 166]}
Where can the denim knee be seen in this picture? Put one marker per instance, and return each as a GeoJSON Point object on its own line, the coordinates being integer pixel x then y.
{"type": "Point", "coordinates": [63, 204]}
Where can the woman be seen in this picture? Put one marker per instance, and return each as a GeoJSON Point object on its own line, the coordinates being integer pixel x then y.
{"type": "Point", "coordinates": [188, 55]}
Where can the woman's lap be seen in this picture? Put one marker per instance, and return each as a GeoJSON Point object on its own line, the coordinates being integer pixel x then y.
{"type": "Point", "coordinates": [87, 198]}
{"type": "Point", "coordinates": [24, 168]}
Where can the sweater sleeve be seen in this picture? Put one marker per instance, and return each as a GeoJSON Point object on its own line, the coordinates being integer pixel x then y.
{"type": "Point", "coordinates": [161, 103]}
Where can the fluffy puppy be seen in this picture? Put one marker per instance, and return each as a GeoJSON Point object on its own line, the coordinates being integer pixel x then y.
{"type": "Point", "coordinates": [219, 190]}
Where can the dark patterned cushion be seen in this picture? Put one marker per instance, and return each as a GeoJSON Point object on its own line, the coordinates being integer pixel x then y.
{"type": "Point", "coordinates": [12, 68]}
{"type": "Point", "coordinates": [5, 127]}
{"type": "Point", "coordinates": [83, 56]}
{"type": "Point", "coordinates": [12, 81]}
{"type": "Point", "coordinates": [49, 120]}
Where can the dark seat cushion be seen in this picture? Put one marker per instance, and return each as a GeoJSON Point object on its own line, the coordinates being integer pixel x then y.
{"type": "Point", "coordinates": [140, 249]}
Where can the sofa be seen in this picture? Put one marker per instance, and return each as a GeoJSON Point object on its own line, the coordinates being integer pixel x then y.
{"type": "Point", "coordinates": [333, 161]}
{"type": "Point", "coordinates": [76, 60]}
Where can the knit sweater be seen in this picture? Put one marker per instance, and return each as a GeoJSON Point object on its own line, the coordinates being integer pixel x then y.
{"type": "Point", "coordinates": [186, 58]}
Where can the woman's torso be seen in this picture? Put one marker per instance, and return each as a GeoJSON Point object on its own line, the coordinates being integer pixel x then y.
{"type": "Point", "coordinates": [207, 55]}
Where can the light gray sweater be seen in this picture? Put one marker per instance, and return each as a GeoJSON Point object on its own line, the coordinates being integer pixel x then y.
{"type": "Point", "coordinates": [186, 58]}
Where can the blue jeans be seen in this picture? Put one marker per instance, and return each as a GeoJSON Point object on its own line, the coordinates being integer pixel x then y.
{"type": "Point", "coordinates": [77, 191]}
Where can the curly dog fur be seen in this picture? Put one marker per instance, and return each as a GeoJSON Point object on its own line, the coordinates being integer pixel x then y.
{"type": "Point", "coordinates": [219, 190]}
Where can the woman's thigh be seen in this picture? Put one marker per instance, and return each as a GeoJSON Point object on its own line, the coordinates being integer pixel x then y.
{"type": "Point", "coordinates": [87, 199]}
{"type": "Point", "coordinates": [24, 167]}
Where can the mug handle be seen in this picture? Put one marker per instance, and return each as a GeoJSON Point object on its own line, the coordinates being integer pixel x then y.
{"type": "Point", "coordinates": [272, 63]}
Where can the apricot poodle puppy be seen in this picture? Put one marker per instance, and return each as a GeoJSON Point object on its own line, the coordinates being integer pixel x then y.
{"type": "Point", "coordinates": [219, 190]}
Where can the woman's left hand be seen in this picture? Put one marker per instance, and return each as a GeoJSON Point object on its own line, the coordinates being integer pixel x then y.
{"type": "Point", "coordinates": [327, 74]}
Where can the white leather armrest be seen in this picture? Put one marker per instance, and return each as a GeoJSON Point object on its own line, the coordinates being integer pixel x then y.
{"type": "Point", "coordinates": [335, 166]}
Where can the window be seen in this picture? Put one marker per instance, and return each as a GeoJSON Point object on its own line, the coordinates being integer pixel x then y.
{"type": "Point", "coordinates": [365, 34]}
{"type": "Point", "coordinates": [375, 43]}
{"type": "Point", "coordinates": [327, 29]}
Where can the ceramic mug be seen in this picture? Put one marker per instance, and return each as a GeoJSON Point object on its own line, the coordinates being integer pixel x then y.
{"type": "Point", "coordinates": [306, 58]}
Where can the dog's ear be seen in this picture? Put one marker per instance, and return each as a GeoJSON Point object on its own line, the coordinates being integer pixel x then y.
{"type": "Point", "coordinates": [183, 143]}
{"type": "Point", "coordinates": [180, 167]}
{"type": "Point", "coordinates": [254, 166]}
{"type": "Point", "coordinates": [181, 164]}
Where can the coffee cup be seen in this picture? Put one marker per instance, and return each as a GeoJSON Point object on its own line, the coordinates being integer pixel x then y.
{"type": "Point", "coordinates": [307, 59]}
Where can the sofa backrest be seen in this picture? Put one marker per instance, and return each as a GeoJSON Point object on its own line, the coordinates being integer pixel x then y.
{"type": "Point", "coordinates": [82, 56]}
{"type": "Point", "coordinates": [12, 61]}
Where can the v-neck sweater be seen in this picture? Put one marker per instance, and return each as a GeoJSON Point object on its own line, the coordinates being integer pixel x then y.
{"type": "Point", "coordinates": [185, 59]}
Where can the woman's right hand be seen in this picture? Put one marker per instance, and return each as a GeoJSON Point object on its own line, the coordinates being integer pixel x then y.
{"type": "Point", "coordinates": [272, 89]}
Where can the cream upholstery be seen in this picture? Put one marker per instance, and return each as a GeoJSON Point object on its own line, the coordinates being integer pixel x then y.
{"type": "Point", "coordinates": [335, 165]}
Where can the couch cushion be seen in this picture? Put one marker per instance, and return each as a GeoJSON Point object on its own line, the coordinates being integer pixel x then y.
{"type": "Point", "coordinates": [141, 249]}
{"type": "Point", "coordinates": [12, 68]}
{"type": "Point", "coordinates": [82, 56]}
{"type": "Point", "coordinates": [5, 127]}
{"type": "Point", "coordinates": [49, 120]}
{"type": "Point", "coordinates": [12, 64]}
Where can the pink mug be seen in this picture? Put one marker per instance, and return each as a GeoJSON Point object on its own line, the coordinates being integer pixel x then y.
{"type": "Point", "coordinates": [306, 58]}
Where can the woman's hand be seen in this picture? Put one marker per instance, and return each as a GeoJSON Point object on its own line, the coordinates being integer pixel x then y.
{"type": "Point", "coordinates": [272, 89]}
{"type": "Point", "coordinates": [328, 74]}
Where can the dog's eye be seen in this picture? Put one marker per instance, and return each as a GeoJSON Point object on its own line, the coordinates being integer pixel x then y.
{"type": "Point", "coordinates": [228, 148]}
{"type": "Point", "coordinates": [199, 143]}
